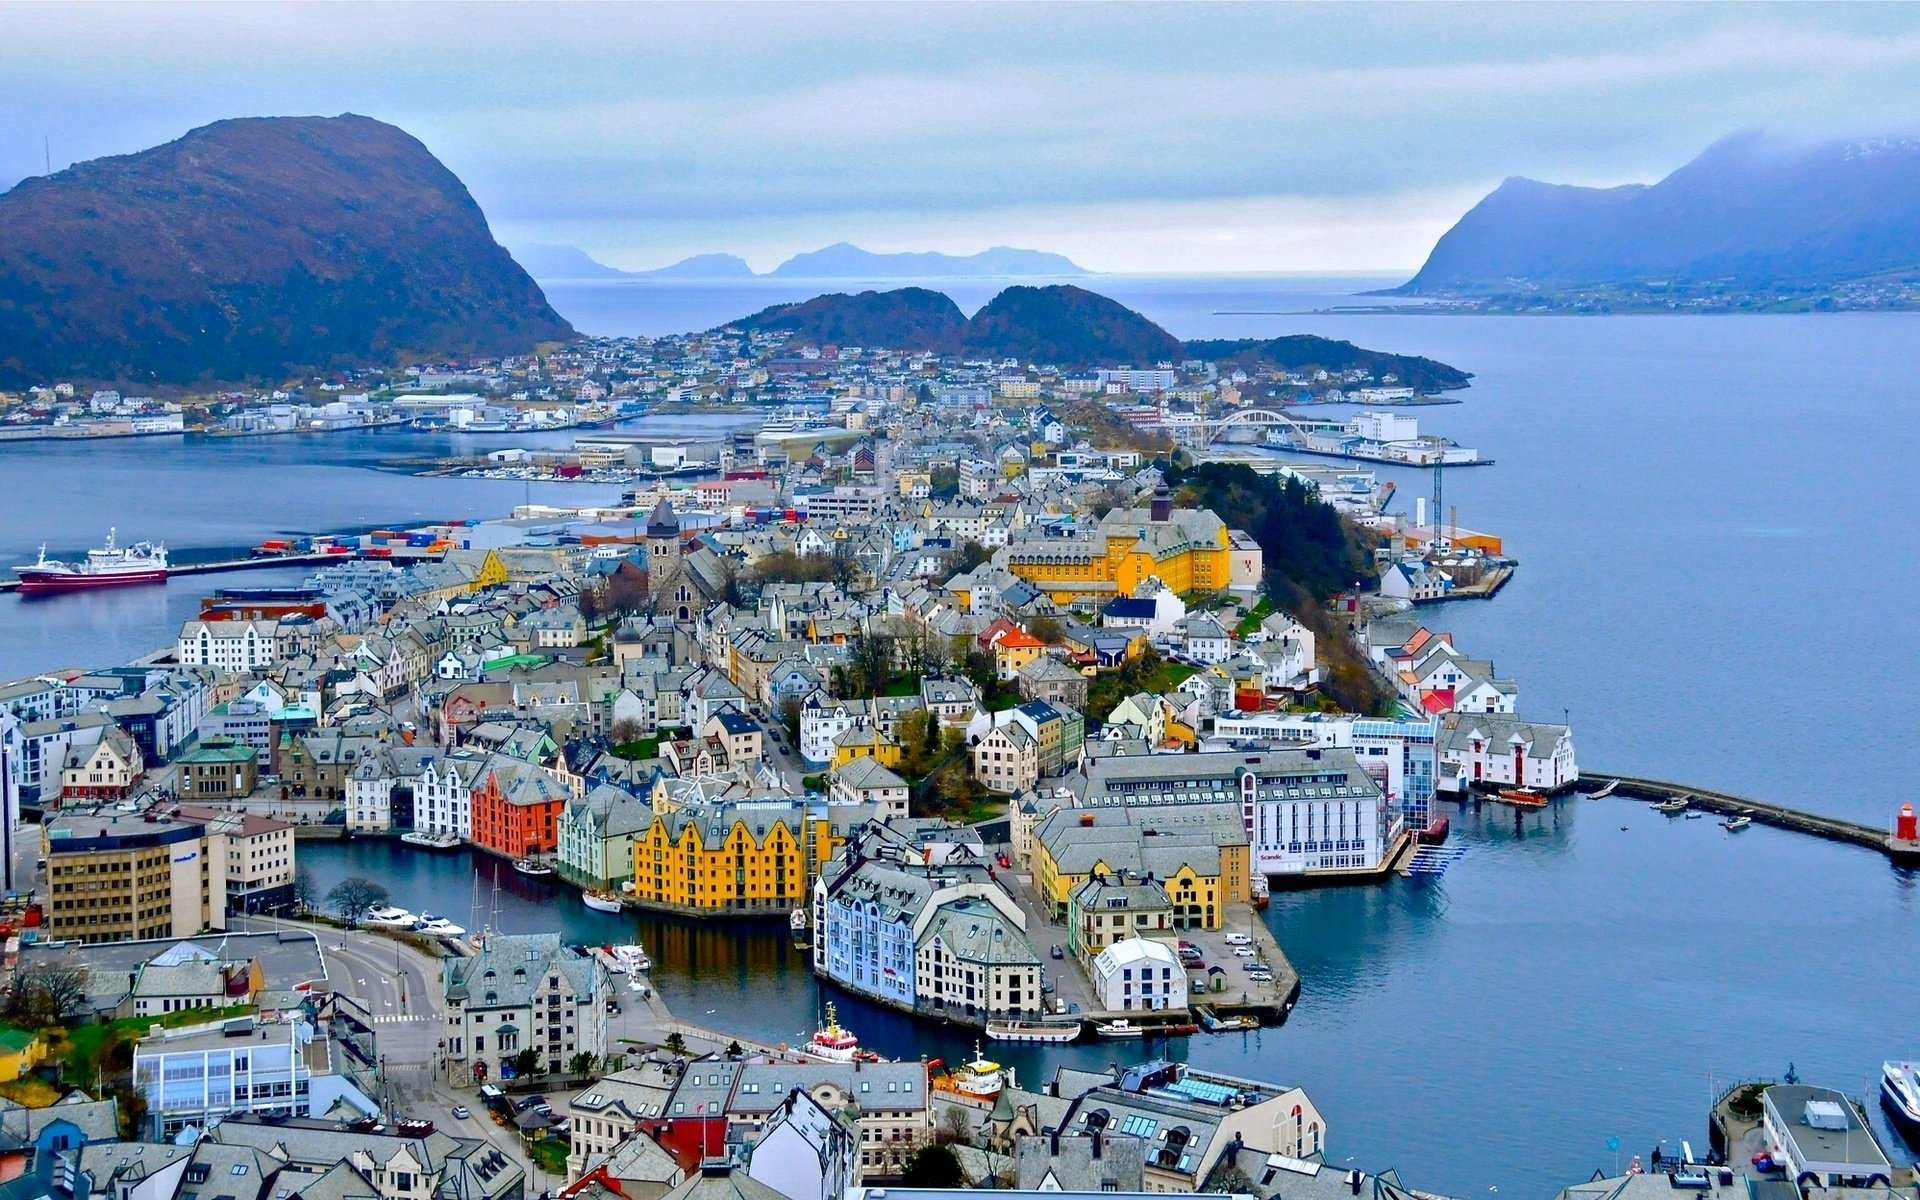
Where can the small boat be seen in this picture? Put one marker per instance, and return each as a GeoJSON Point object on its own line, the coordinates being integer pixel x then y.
{"type": "Point", "coordinates": [438, 927]}
{"type": "Point", "coordinates": [1900, 1093]}
{"type": "Point", "coordinates": [533, 867]}
{"type": "Point", "coordinates": [1033, 1031]}
{"type": "Point", "coordinates": [1213, 1022]}
{"type": "Point", "coordinates": [430, 841]}
{"type": "Point", "coordinates": [601, 901]}
{"type": "Point", "coordinates": [388, 915]}
{"type": "Point", "coordinates": [632, 957]}
{"type": "Point", "coordinates": [1524, 797]}
{"type": "Point", "coordinates": [1604, 792]}
{"type": "Point", "coordinates": [1435, 832]}
{"type": "Point", "coordinates": [1257, 888]}
{"type": "Point", "coordinates": [1118, 1028]}
{"type": "Point", "coordinates": [1736, 824]}
{"type": "Point", "coordinates": [1671, 806]}
{"type": "Point", "coordinates": [980, 1079]}
{"type": "Point", "coordinates": [831, 1042]}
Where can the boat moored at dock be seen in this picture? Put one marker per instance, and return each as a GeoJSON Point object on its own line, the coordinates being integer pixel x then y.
{"type": "Point", "coordinates": [1056, 1032]}
{"type": "Point", "coordinates": [112, 565]}
{"type": "Point", "coordinates": [601, 901]}
{"type": "Point", "coordinates": [437, 842]}
{"type": "Point", "coordinates": [1900, 1093]}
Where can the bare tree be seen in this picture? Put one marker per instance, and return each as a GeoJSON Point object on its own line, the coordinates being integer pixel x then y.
{"type": "Point", "coordinates": [626, 731]}
{"type": "Point", "coordinates": [305, 892]}
{"type": "Point", "coordinates": [44, 993]}
{"type": "Point", "coordinates": [353, 896]}
{"type": "Point", "coordinates": [790, 720]}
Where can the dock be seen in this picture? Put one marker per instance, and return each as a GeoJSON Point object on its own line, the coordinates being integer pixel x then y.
{"type": "Point", "coordinates": [1780, 816]}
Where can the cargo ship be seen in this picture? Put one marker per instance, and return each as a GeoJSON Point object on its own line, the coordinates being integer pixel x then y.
{"type": "Point", "coordinates": [110, 566]}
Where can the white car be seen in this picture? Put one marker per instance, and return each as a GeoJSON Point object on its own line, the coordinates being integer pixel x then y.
{"type": "Point", "coordinates": [1243, 951]}
{"type": "Point", "coordinates": [1237, 939]}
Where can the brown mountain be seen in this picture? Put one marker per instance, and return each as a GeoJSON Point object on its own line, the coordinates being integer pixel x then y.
{"type": "Point", "coordinates": [252, 249]}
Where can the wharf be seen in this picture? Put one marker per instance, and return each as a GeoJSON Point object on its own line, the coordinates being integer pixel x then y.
{"type": "Point", "coordinates": [1486, 588]}
{"type": "Point", "coordinates": [1834, 829]}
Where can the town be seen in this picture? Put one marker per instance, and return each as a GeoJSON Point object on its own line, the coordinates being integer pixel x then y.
{"type": "Point", "coordinates": [947, 669]}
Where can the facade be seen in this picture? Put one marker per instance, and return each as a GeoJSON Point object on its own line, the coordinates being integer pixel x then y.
{"type": "Point", "coordinates": [1186, 549]}
{"type": "Point", "coordinates": [1007, 759]}
{"type": "Point", "coordinates": [597, 833]}
{"type": "Point", "coordinates": [737, 859]}
{"type": "Point", "coordinates": [807, 1151]}
{"type": "Point", "coordinates": [1139, 973]}
{"type": "Point", "coordinates": [867, 781]}
{"type": "Point", "coordinates": [1492, 750]}
{"type": "Point", "coordinates": [260, 857]}
{"type": "Point", "coordinates": [1401, 754]}
{"type": "Point", "coordinates": [235, 1067]}
{"type": "Point", "coordinates": [112, 877]}
{"type": "Point", "coordinates": [516, 809]}
{"type": "Point", "coordinates": [1112, 908]}
{"type": "Point", "coordinates": [104, 770]}
{"type": "Point", "coordinates": [1820, 1138]}
{"type": "Point", "coordinates": [1197, 854]}
{"type": "Point", "coordinates": [522, 993]}
{"type": "Point", "coordinates": [217, 769]}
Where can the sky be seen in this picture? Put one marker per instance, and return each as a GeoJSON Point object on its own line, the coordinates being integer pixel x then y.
{"type": "Point", "coordinates": [1151, 138]}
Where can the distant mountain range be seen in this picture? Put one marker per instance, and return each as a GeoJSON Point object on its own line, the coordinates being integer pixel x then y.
{"type": "Point", "coordinates": [255, 249]}
{"type": "Point", "coordinates": [839, 261]}
{"type": "Point", "coordinates": [1064, 326]}
{"type": "Point", "coordinates": [1752, 211]}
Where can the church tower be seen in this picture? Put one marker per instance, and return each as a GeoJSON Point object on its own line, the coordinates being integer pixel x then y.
{"type": "Point", "coordinates": [663, 551]}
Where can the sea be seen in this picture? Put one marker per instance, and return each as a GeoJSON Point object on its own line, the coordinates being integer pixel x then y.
{"type": "Point", "coordinates": [1713, 521]}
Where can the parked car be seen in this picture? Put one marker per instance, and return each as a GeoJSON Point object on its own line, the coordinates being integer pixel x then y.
{"type": "Point", "coordinates": [1237, 939]}
{"type": "Point", "coordinates": [1243, 951]}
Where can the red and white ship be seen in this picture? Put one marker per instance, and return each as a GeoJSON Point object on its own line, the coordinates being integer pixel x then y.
{"type": "Point", "coordinates": [110, 566]}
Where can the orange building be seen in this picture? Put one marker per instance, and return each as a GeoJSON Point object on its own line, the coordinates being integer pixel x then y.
{"type": "Point", "coordinates": [516, 809]}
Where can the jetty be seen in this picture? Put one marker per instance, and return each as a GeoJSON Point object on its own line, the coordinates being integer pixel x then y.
{"type": "Point", "coordinates": [1780, 816]}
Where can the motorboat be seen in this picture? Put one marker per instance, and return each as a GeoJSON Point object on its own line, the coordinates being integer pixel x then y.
{"type": "Point", "coordinates": [1524, 797]}
{"type": "Point", "coordinates": [832, 1042]}
{"type": "Point", "coordinates": [533, 867]}
{"type": "Point", "coordinates": [631, 957]}
{"type": "Point", "coordinates": [1118, 1028]}
{"type": "Point", "coordinates": [430, 841]}
{"type": "Point", "coordinates": [1736, 824]}
{"type": "Point", "coordinates": [1033, 1031]}
{"type": "Point", "coordinates": [1900, 1093]}
{"type": "Point", "coordinates": [1670, 807]}
{"type": "Point", "coordinates": [388, 915]}
{"type": "Point", "coordinates": [604, 902]}
{"type": "Point", "coordinates": [438, 927]}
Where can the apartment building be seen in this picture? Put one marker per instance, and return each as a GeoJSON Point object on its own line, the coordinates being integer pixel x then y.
{"type": "Point", "coordinates": [114, 876]}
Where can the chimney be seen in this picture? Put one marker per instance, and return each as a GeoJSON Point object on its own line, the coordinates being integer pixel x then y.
{"type": "Point", "coordinates": [1162, 508]}
{"type": "Point", "coordinates": [1353, 1182]}
{"type": "Point", "coordinates": [1096, 1144]}
{"type": "Point", "coordinates": [1054, 1144]}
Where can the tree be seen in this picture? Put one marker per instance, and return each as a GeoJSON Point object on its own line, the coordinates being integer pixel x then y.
{"type": "Point", "coordinates": [933, 1167]}
{"type": "Point", "coordinates": [790, 719]}
{"type": "Point", "coordinates": [625, 592]}
{"type": "Point", "coordinates": [676, 1044]}
{"type": "Point", "coordinates": [527, 1062]}
{"type": "Point", "coordinates": [626, 731]}
{"type": "Point", "coordinates": [45, 992]}
{"type": "Point", "coordinates": [581, 1063]}
{"type": "Point", "coordinates": [955, 1124]}
{"type": "Point", "coordinates": [918, 732]}
{"type": "Point", "coordinates": [1047, 629]}
{"type": "Point", "coordinates": [305, 892]}
{"type": "Point", "coordinates": [588, 601]}
{"type": "Point", "coordinates": [353, 896]}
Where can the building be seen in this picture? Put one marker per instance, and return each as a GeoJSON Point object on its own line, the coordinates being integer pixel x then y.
{"type": "Point", "coordinates": [1187, 550]}
{"type": "Point", "coordinates": [1401, 754]}
{"type": "Point", "coordinates": [242, 1066]}
{"type": "Point", "coordinates": [1111, 908]}
{"type": "Point", "coordinates": [516, 809]}
{"type": "Point", "coordinates": [1197, 854]}
{"type": "Point", "coordinates": [867, 781]}
{"type": "Point", "coordinates": [219, 768]}
{"type": "Point", "coordinates": [1820, 1138]}
{"type": "Point", "coordinates": [748, 858]}
{"type": "Point", "coordinates": [614, 1109]}
{"type": "Point", "coordinates": [522, 994]}
{"type": "Point", "coordinates": [597, 833]}
{"type": "Point", "coordinates": [399, 1160]}
{"type": "Point", "coordinates": [806, 1150]}
{"type": "Point", "coordinates": [1482, 750]}
{"type": "Point", "coordinates": [103, 770]}
{"type": "Point", "coordinates": [1047, 678]}
{"type": "Point", "coordinates": [185, 977]}
{"type": "Point", "coordinates": [891, 1103]}
{"type": "Point", "coordinates": [1139, 973]}
{"type": "Point", "coordinates": [1007, 759]}
{"type": "Point", "coordinates": [260, 857]}
{"type": "Point", "coordinates": [113, 876]}
{"type": "Point", "coordinates": [236, 646]}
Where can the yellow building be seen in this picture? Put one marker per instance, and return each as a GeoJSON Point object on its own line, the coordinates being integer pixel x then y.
{"type": "Point", "coordinates": [735, 858]}
{"type": "Point", "coordinates": [1186, 549]}
{"type": "Point", "coordinates": [1197, 852]}
{"type": "Point", "coordinates": [865, 740]}
{"type": "Point", "coordinates": [20, 1052]}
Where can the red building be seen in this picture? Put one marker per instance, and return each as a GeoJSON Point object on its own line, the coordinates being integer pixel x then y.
{"type": "Point", "coordinates": [516, 810]}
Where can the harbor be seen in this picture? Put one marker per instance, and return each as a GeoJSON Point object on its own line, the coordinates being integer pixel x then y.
{"type": "Point", "coordinates": [1900, 841]}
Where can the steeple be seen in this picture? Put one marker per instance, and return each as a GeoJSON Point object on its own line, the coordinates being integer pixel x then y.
{"type": "Point", "coordinates": [662, 522]}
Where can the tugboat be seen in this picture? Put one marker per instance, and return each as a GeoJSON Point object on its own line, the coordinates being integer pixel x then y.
{"type": "Point", "coordinates": [109, 566]}
{"type": "Point", "coordinates": [831, 1043]}
{"type": "Point", "coordinates": [980, 1079]}
{"type": "Point", "coordinates": [533, 867]}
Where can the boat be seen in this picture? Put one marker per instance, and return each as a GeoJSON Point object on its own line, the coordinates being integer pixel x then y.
{"type": "Point", "coordinates": [1524, 797]}
{"type": "Point", "coordinates": [1120, 1027]}
{"type": "Point", "coordinates": [797, 929]}
{"type": "Point", "coordinates": [1257, 889]}
{"type": "Point", "coordinates": [1435, 832]}
{"type": "Point", "coordinates": [112, 565]}
{"type": "Point", "coordinates": [1213, 1022]}
{"type": "Point", "coordinates": [1671, 806]}
{"type": "Point", "coordinates": [1900, 1092]}
{"type": "Point", "coordinates": [388, 915]}
{"type": "Point", "coordinates": [1736, 824]}
{"type": "Point", "coordinates": [1604, 792]}
{"type": "Point", "coordinates": [431, 841]}
{"type": "Point", "coordinates": [980, 1079]}
{"type": "Point", "coordinates": [1033, 1031]}
{"type": "Point", "coordinates": [601, 901]}
{"type": "Point", "coordinates": [631, 957]}
{"type": "Point", "coordinates": [438, 927]}
{"type": "Point", "coordinates": [533, 867]}
{"type": "Point", "coordinates": [832, 1043]}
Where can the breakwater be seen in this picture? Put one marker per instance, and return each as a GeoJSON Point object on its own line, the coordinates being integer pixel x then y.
{"type": "Point", "coordinates": [1762, 812]}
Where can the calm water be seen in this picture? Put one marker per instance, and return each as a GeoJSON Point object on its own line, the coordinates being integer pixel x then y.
{"type": "Point", "coordinates": [1713, 517]}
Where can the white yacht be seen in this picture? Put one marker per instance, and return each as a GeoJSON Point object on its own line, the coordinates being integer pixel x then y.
{"type": "Point", "coordinates": [387, 914]}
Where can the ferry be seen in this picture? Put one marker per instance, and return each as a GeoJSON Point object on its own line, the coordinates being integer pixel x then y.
{"type": "Point", "coordinates": [980, 1079]}
{"type": "Point", "coordinates": [832, 1043]}
{"type": "Point", "coordinates": [601, 901]}
{"type": "Point", "coordinates": [112, 565]}
{"type": "Point", "coordinates": [431, 841]}
{"type": "Point", "coordinates": [1900, 1093]}
{"type": "Point", "coordinates": [1119, 1028]}
{"type": "Point", "coordinates": [1033, 1031]}
{"type": "Point", "coordinates": [533, 867]}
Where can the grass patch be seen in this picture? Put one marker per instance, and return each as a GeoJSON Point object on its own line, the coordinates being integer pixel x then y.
{"type": "Point", "coordinates": [550, 1155]}
{"type": "Point", "coordinates": [1168, 676]}
{"type": "Point", "coordinates": [31, 1092]}
{"type": "Point", "coordinates": [647, 747]}
{"type": "Point", "coordinates": [906, 685]}
{"type": "Point", "coordinates": [1252, 620]}
{"type": "Point", "coordinates": [986, 808]}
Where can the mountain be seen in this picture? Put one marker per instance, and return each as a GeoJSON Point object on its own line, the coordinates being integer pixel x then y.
{"type": "Point", "coordinates": [1069, 326]}
{"type": "Point", "coordinates": [1753, 210]}
{"type": "Point", "coordinates": [701, 266]}
{"type": "Point", "coordinates": [1063, 325]}
{"type": "Point", "coordinates": [1306, 352]}
{"type": "Point", "coordinates": [565, 262]}
{"type": "Point", "coordinates": [254, 249]}
{"type": "Point", "coordinates": [846, 261]}
{"type": "Point", "coordinates": [909, 318]}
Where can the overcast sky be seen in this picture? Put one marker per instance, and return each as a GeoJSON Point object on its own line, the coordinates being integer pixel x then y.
{"type": "Point", "coordinates": [1162, 137]}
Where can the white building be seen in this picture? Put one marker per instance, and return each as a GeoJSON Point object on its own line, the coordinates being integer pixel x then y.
{"type": "Point", "coordinates": [1139, 973]}
{"type": "Point", "coordinates": [807, 1152]}
{"type": "Point", "coordinates": [1497, 750]}
{"type": "Point", "coordinates": [237, 646]}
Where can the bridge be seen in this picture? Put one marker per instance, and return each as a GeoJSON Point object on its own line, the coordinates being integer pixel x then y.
{"type": "Point", "coordinates": [1210, 431]}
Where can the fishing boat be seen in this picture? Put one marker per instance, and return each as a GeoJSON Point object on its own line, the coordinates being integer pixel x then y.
{"type": "Point", "coordinates": [430, 841]}
{"type": "Point", "coordinates": [832, 1042]}
{"type": "Point", "coordinates": [1671, 806]}
{"type": "Point", "coordinates": [1523, 797]}
{"type": "Point", "coordinates": [1033, 1031]}
{"type": "Point", "coordinates": [1118, 1028]}
{"type": "Point", "coordinates": [605, 902]}
{"type": "Point", "coordinates": [1736, 824]}
{"type": "Point", "coordinates": [112, 565]}
{"type": "Point", "coordinates": [1900, 1093]}
{"type": "Point", "coordinates": [1257, 889]}
{"type": "Point", "coordinates": [533, 867]}
{"type": "Point", "coordinates": [980, 1079]}
{"type": "Point", "coordinates": [1604, 792]}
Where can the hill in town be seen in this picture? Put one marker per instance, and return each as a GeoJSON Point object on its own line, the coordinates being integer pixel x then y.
{"type": "Point", "coordinates": [1753, 210]}
{"type": "Point", "coordinates": [1306, 353]}
{"type": "Point", "coordinates": [254, 249]}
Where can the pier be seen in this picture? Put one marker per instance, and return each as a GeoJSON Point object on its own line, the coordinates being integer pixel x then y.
{"type": "Point", "coordinates": [1833, 829]}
